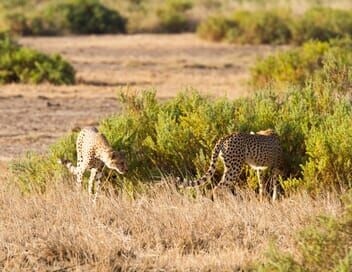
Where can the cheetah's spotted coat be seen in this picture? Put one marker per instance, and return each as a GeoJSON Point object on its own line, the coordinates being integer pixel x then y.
{"type": "Point", "coordinates": [259, 150]}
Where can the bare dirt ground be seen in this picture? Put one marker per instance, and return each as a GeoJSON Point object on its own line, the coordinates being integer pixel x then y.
{"type": "Point", "coordinates": [32, 117]}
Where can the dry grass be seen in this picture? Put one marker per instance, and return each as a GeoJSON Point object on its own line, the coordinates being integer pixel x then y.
{"type": "Point", "coordinates": [159, 230]}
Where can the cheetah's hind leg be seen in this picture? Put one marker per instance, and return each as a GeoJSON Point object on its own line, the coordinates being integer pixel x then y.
{"type": "Point", "coordinates": [261, 189]}
{"type": "Point", "coordinates": [97, 185]}
{"type": "Point", "coordinates": [68, 165]}
{"type": "Point", "coordinates": [77, 171]}
{"type": "Point", "coordinates": [93, 173]}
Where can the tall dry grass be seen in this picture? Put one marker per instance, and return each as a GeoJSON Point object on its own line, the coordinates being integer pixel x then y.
{"type": "Point", "coordinates": [159, 230]}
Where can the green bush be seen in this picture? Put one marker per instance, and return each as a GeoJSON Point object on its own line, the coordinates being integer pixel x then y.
{"type": "Point", "coordinates": [328, 145]}
{"type": "Point", "coordinates": [322, 24]}
{"type": "Point", "coordinates": [215, 28]}
{"type": "Point", "coordinates": [260, 27]}
{"type": "Point", "coordinates": [36, 172]}
{"type": "Point", "coordinates": [172, 16]}
{"type": "Point", "coordinates": [328, 62]}
{"type": "Point", "coordinates": [269, 27]}
{"type": "Point", "coordinates": [89, 16]}
{"type": "Point", "coordinates": [75, 16]}
{"type": "Point", "coordinates": [17, 23]}
{"type": "Point", "coordinates": [20, 64]}
{"type": "Point", "coordinates": [323, 246]}
{"type": "Point", "coordinates": [337, 71]}
{"type": "Point", "coordinates": [278, 26]}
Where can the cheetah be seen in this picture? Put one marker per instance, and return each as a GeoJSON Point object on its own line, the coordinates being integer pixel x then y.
{"type": "Point", "coordinates": [259, 150]}
{"type": "Point", "coordinates": [93, 151]}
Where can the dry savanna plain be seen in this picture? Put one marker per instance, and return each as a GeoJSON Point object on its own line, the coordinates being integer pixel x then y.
{"type": "Point", "coordinates": [161, 229]}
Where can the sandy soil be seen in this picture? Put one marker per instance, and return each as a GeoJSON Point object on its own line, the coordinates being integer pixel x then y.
{"type": "Point", "coordinates": [32, 117]}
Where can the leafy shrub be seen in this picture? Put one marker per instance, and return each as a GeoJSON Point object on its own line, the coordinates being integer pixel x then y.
{"type": "Point", "coordinates": [278, 26]}
{"type": "Point", "coordinates": [336, 71]}
{"type": "Point", "coordinates": [89, 16]}
{"type": "Point", "coordinates": [322, 24]}
{"type": "Point", "coordinates": [215, 28]}
{"type": "Point", "coordinates": [40, 171]}
{"type": "Point", "coordinates": [329, 62]}
{"type": "Point", "coordinates": [30, 23]}
{"type": "Point", "coordinates": [17, 23]}
{"type": "Point", "coordinates": [172, 16]}
{"type": "Point", "coordinates": [329, 158]}
{"type": "Point", "coordinates": [76, 16]}
{"type": "Point", "coordinates": [269, 27]}
{"type": "Point", "coordinates": [20, 64]}
{"type": "Point", "coordinates": [294, 66]}
{"type": "Point", "coordinates": [323, 246]}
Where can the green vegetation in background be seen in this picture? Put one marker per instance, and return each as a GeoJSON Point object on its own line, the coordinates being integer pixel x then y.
{"type": "Point", "coordinates": [278, 26]}
{"type": "Point", "coordinates": [271, 27]}
{"type": "Point", "coordinates": [215, 28]}
{"type": "Point", "coordinates": [172, 16]}
{"type": "Point", "coordinates": [322, 61]}
{"type": "Point", "coordinates": [71, 16]}
{"type": "Point", "coordinates": [25, 65]}
{"type": "Point", "coordinates": [273, 22]}
{"type": "Point", "coordinates": [322, 24]}
{"type": "Point", "coordinates": [325, 245]}
{"type": "Point", "coordinates": [260, 27]}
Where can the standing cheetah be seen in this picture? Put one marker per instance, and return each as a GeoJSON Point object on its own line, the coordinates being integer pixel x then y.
{"type": "Point", "coordinates": [93, 151]}
{"type": "Point", "coordinates": [259, 150]}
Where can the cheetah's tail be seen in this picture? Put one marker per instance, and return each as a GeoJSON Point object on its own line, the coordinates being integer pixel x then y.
{"type": "Point", "coordinates": [69, 165]}
{"type": "Point", "coordinates": [211, 169]}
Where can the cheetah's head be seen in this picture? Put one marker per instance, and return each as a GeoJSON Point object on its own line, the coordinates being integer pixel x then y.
{"type": "Point", "coordinates": [118, 162]}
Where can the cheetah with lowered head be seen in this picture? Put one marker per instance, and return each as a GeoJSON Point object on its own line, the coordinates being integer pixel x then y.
{"type": "Point", "coordinates": [93, 151]}
{"type": "Point", "coordinates": [259, 150]}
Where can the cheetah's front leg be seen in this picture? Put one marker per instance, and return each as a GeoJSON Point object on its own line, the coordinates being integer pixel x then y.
{"type": "Point", "coordinates": [97, 185]}
{"type": "Point", "coordinates": [93, 173]}
{"type": "Point", "coordinates": [261, 189]}
{"type": "Point", "coordinates": [274, 188]}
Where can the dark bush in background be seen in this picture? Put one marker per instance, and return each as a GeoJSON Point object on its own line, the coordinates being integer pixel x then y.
{"type": "Point", "coordinates": [75, 17]}
{"type": "Point", "coordinates": [89, 16]}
